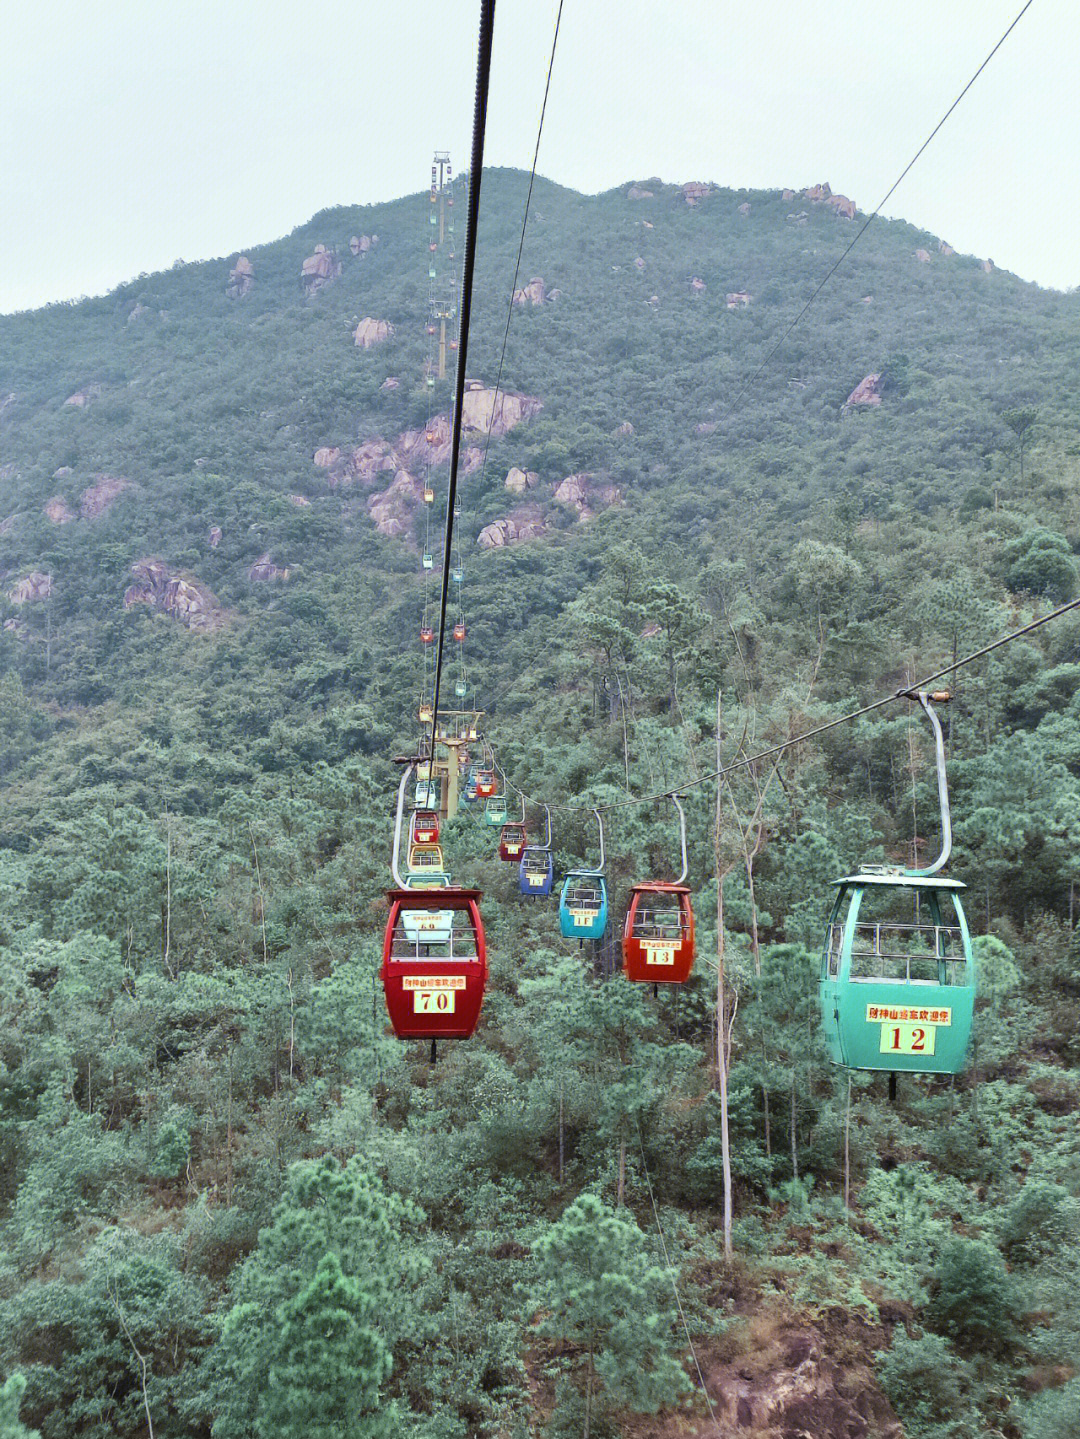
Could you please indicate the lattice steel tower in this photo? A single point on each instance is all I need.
(442, 268)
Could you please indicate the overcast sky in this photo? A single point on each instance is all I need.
(134, 132)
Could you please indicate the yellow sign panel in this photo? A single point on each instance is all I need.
(658, 951)
(583, 916)
(434, 981)
(907, 1038)
(536, 880)
(433, 1001)
(907, 1014)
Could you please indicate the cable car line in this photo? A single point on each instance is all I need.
(521, 242)
(907, 692)
(671, 1276)
(476, 167)
(871, 218)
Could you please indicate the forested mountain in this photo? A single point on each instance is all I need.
(231, 1203)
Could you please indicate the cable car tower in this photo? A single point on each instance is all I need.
(442, 267)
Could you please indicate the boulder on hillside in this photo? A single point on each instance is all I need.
(944, 249)
(319, 269)
(371, 332)
(58, 511)
(635, 192)
(326, 456)
(81, 398)
(174, 593)
(744, 208)
(390, 383)
(695, 191)
(787, 196)
(534, 293)
(639, 263)
(214, 536)
(526, 523)
(866, 392)
(697, 284)
(706, 427)
(738, 300)
(63, 472)
(923, 256)
(823, 195)
(361, 244)
(626, 428)
(300, 501)
(97, 498)
(497, 411)
(585, 493)
(241, 279)
(518, 481)
(35, 586)
(137, 313)
(264, 569)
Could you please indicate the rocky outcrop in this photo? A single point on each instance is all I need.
(988, 267)
(696, 191)
(518, 481)
(214, 536)
(799, 219)
(137, 313)
(738, 300)
(241, 279)
(392, 509)
(319, 270)
(635, 192)
(264, 569)
(639, 264)
(58, 511)
(923, 256)
(371, 332)
(300, 501)
(697, 284)
(63, 472)
(391, 383)
(361, 244)
(823, 195)
(787, 196)
(534, 293)
(789, 1384)
(866, 392)
(744, 208)
(174, 593)
(35, 586)
(626, 428)
(526, 523)
(706, 427)
(81, 398)
(653, 301)
(944, 249)
(496, 411)
(586, 493)
(326, 456)
(97, 498)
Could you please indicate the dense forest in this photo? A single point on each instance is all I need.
(231, 1203)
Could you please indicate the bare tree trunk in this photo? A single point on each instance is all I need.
(721, 998)
(794, 1134)
(142, 1363)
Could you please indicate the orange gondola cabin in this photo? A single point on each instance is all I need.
(434, 970)
(658, 936)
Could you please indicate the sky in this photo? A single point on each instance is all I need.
(136, 133)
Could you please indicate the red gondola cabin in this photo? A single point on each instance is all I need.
(459, 632)
(658, 936)
(424, 828)
(485, 783)
(512, 840)
(427, 635)
(434, 973)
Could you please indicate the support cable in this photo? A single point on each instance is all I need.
(870, 220)
(905, 692)
(476, 168)
(671, 1276)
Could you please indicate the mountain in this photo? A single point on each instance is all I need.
(691, 515)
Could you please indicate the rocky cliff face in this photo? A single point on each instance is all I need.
(866, 392)
(319, 270)
(96, 498)
(241, 279)
(525, 523)
(371, 332)
(174, 593)
(496, 410)
(534, 293)
(35, 586)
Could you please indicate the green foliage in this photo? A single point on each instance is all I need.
(597, 1290)
(11, 1393)
(973, 1299)
(925, 1382)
